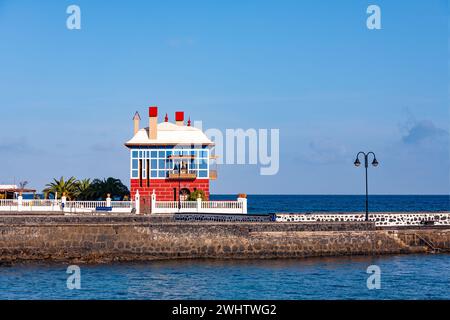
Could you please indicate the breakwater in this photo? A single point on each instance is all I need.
(140, 238)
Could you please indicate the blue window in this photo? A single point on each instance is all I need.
(134, 164)
(154, 173)
(169, 153)
(154, 154)
(203, 165)
(134, 154)
(162, 154)
(134, 173)
(162, 173)
(204, 154)
(162, 164)
(153, 163)
(202, 173)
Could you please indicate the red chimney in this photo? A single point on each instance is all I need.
(179, 118)
(153, 111)
(153, 122)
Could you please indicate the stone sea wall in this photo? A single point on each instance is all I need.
(134, 238)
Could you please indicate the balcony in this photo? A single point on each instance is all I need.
(183, 175)
(173, 157)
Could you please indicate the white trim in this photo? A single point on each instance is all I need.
(147, 173)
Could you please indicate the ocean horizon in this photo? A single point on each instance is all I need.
(342, 203)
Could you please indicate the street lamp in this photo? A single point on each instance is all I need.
(179, 187)
(357, 163)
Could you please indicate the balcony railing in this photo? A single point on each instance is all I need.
(183, 175)
(187, 156)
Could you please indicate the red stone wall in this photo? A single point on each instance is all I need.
(164, 187)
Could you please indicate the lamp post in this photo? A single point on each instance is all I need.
(357, 163)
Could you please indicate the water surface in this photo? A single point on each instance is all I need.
(402, 277)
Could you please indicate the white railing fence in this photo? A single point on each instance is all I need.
(9, 204)
(64, 206)
(73, 207)
(29, 205)
(108, 205)
(199, 206)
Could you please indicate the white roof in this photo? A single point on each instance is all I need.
(8, 186)
(170, 134)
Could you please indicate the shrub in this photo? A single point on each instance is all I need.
(196, 194)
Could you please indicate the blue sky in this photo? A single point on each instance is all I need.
(310, 68)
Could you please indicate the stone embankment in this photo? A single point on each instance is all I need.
(139, 238)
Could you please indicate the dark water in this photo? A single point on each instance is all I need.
(402, 277)
(343, 203)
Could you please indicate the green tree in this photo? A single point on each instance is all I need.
(197, 194)
(82, 189)
(100, 188)
(62, 186)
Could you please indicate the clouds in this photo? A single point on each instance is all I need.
(423, 131)
(16, 146)
(325, 151)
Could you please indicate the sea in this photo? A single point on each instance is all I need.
(422, 276)
(398, 277)
(342, 203)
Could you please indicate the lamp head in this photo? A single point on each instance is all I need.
(357, 163)
(375, 162)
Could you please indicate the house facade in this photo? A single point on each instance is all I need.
(171, 159)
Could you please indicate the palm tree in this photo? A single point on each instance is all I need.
(82, 189)
(99, 189)
(61, 187)
(22, 185)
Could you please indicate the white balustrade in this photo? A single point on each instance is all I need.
(29, 205)
(239, 206)
(45, 205)
(198, 206)
(122, 206)
(8, 205)
(82, 206)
